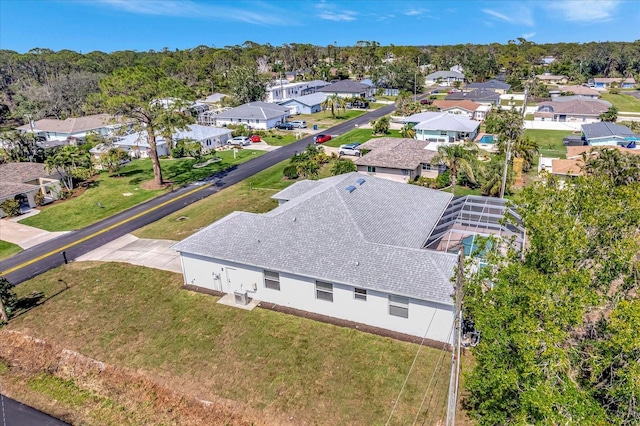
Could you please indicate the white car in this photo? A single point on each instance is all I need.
(349, 149)
(240, 140)
(299, 124)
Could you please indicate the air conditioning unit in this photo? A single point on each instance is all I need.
(241, 298)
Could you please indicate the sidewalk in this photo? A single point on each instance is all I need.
(25, 236)
(138, 251)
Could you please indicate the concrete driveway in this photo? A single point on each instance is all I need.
(138, 251)
(23, 235)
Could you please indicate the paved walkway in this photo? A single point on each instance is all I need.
(138, 251)
(23, 235)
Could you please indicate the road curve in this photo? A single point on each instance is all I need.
(36, 260)
(14, 413)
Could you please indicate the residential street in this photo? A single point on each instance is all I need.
(38, 259)
(14, 413)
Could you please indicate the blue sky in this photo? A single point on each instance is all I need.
(110, 25)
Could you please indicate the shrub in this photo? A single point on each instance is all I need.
(177, 152)
(39, 199)
(290, 172)
(614, 91)
(444, 179)
(11, 207)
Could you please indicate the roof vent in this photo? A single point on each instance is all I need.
(360, 181)
(351, 188)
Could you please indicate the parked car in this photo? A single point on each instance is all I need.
(360, 104)
(284, 126)
(322, 138)
(299, 124)
(371, 99)
(349, 149)
(426, 101)
(255, 138)
(240, 140)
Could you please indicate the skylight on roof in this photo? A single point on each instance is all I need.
(360, 181)
(351, 188)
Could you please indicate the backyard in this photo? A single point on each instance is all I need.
(549, 141)
(276, 367)
(325, 120)
(622, 101)
(107, 195)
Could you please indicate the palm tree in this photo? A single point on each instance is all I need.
(527, 149)
(458, 157)
(334, 102)
(408, 131)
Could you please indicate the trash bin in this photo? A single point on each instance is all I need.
(315, 127)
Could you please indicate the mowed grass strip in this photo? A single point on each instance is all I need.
(359, 135)
(109, 195)
(281, 365)
(623, 102)
(8, 249)
(549, 141)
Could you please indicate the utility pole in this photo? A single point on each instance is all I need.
(454, 379)
(506, 169)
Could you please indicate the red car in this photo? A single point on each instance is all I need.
(255, 138)
(322, 138)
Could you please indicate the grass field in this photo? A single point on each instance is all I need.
(282, 139)
(280, 365)
(359, 135)
(8, 249)
(622, 102)
(549, 141)
(109, 195)
(325, 120)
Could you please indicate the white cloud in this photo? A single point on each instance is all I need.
(520, 15)
(192, 9)
(585, 10)
(527, 36)
(415, 11)
(331, 12)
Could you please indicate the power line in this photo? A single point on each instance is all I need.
(411, 368)
(431, 380)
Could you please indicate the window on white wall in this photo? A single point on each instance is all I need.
(399, 306)
(360, 294)
(272, 280)
(324, 291)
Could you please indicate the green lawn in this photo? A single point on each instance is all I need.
(8, 249)
(622, 102)
(281, 139)
(549, 141)
(325, 120)
(286, 366)
(359, 135)
(109, 195)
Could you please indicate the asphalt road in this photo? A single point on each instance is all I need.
(14, 413)
(36, 260)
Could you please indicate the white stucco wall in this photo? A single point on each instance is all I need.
(299, 292)
(390, 174)
(254, 124)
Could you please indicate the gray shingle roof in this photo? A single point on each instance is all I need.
(604, 129)
(370, 237)
(448, 122)
(255, 111)
(345, 86)
(475, 95)
(14, 177)
(395, 153)
(491, 84)
(311, 99)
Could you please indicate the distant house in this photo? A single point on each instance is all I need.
(573, 165)
(256, 115)
(24, 181)
(349, 89)
(609, 134)
(307, 104)
(552, 79)
(481, 96)
(567, 109)
(464, 107)
(604, 83)
(495, 85)
(398, 159)
(349, 247)
(281, 90)
(582, 91)
(443, 127)
(75, 127)
(444, 78)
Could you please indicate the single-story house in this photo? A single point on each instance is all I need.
(608, 134)
(495, 85)
(23, 181)
(604, 83)
(137, 146)
(464, 107)
(573, 165)
(398, 159)
(443, 127)
(349, 247)
(349, 89)
(74, 127)
(307, 104)
(582, 91)
(255, 115)
(552, 79)
(281, 90)
(444, 78)
(481, 96)
(567, 108)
